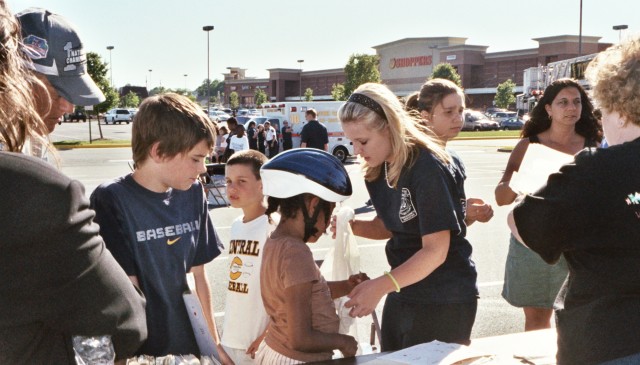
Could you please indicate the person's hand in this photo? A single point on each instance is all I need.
(365, 297)
(478, 210)
(251, 350)
(332, 225)
(224, 358)
(349, 346)
(355, 280)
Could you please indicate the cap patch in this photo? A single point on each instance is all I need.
(36, 47)
(74, 56)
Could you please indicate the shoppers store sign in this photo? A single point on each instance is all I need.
(410, 62)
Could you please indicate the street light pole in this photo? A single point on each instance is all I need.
(620, 28)
(580, 34)
(110, 48)
(185, 81)
(208, 29)
(149, 80)
(300, 81)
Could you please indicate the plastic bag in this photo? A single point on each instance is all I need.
(93, 350)
(342, 261)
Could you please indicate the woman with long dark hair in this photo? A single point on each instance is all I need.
(562, 120)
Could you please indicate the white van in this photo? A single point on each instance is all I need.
(294, 112)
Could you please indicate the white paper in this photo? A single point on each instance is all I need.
(204, 339)
(537, 164)
(433, 353)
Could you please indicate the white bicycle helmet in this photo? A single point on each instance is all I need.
(306, 170)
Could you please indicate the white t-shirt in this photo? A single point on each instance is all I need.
(223, 143)
(245, 317)
(238, 144)
(271, 134)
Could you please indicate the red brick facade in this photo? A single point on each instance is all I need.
(405, 64)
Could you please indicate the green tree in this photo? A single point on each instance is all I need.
(159, 90)
(446, 71)
(260, 97)
(131, 100)
(337, 92)
(504, 94)
(98, 72)
(308, 94)
(215, 87)
(360, 69)
(234, 101)
(186, 93)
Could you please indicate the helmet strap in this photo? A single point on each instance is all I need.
(310, 222)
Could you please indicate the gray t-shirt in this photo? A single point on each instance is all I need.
(158, 237)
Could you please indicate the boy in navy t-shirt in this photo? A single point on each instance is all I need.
(155, 220)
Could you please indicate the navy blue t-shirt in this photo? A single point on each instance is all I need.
(314, 135)
(158, 237)
(428, 198)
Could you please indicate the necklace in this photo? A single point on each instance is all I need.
(386, 175)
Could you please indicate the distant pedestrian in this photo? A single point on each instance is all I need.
(314, 134)
(271, 138)
(232, 123)
(287, 142)
(260, 137)
(239, 142)
(251, 135)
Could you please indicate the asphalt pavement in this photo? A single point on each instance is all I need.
(484, 165)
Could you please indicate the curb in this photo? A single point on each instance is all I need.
(128, 145)
(71, 147)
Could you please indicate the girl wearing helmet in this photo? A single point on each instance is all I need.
(418, 193)
(303, 185)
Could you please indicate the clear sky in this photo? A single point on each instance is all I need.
(167, 37)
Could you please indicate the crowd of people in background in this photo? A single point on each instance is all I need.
(573, 245)
(234, 137)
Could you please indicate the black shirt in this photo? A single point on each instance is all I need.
(428, 198)
(58, 280)
(286, 136)
(590, 212)
(253, 142)
(314, 135)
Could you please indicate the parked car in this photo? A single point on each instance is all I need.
(118, 116)
(242, 112)
(476, 121)
(218, 116)
(77, 116)
(492, 110)
(512, 124)
(500, 116)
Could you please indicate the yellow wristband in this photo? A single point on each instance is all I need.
(394, 281)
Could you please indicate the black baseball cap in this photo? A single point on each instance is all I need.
(55, 49)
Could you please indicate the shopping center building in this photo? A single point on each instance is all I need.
(406, 63)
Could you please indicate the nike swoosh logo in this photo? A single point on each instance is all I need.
(171, 242)
(47, 70)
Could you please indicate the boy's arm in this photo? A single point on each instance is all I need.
(203, 291)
